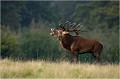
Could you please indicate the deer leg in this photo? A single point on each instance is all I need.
(97, 56)
(97, 51)
(75, 58)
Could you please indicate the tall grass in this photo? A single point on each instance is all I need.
(48, 69)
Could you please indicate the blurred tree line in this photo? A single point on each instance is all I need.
(25, 27)
(16, 14)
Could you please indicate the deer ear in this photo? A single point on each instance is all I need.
(51, 29)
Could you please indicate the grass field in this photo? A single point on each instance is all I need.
(45, 69)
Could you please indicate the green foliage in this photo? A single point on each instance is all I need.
(30, 43)
(20, 14)
(103, 14)
(10, 14)
(9, 44)
(37, 43)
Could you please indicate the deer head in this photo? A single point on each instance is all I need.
(57, 33)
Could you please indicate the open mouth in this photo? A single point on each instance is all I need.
(51, 34)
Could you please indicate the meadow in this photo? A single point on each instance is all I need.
(62, 69)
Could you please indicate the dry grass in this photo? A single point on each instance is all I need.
(43, 69)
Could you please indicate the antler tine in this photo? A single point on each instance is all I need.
(78, 27)
(72, 25)
(75, 28)
(60, 21)
(61, 24)
(67, 24)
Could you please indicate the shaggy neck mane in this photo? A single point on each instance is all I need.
(66, 41)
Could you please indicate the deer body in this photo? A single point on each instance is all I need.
(78, 45)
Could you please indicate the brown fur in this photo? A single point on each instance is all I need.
(78, 45)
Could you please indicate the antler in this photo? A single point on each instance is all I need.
(71, 27)
(76, 28)
(62, 24)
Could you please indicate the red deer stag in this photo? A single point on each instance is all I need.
(76, 44)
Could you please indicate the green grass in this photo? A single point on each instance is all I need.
(63, 69)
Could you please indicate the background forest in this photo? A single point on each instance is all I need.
(25, 28)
